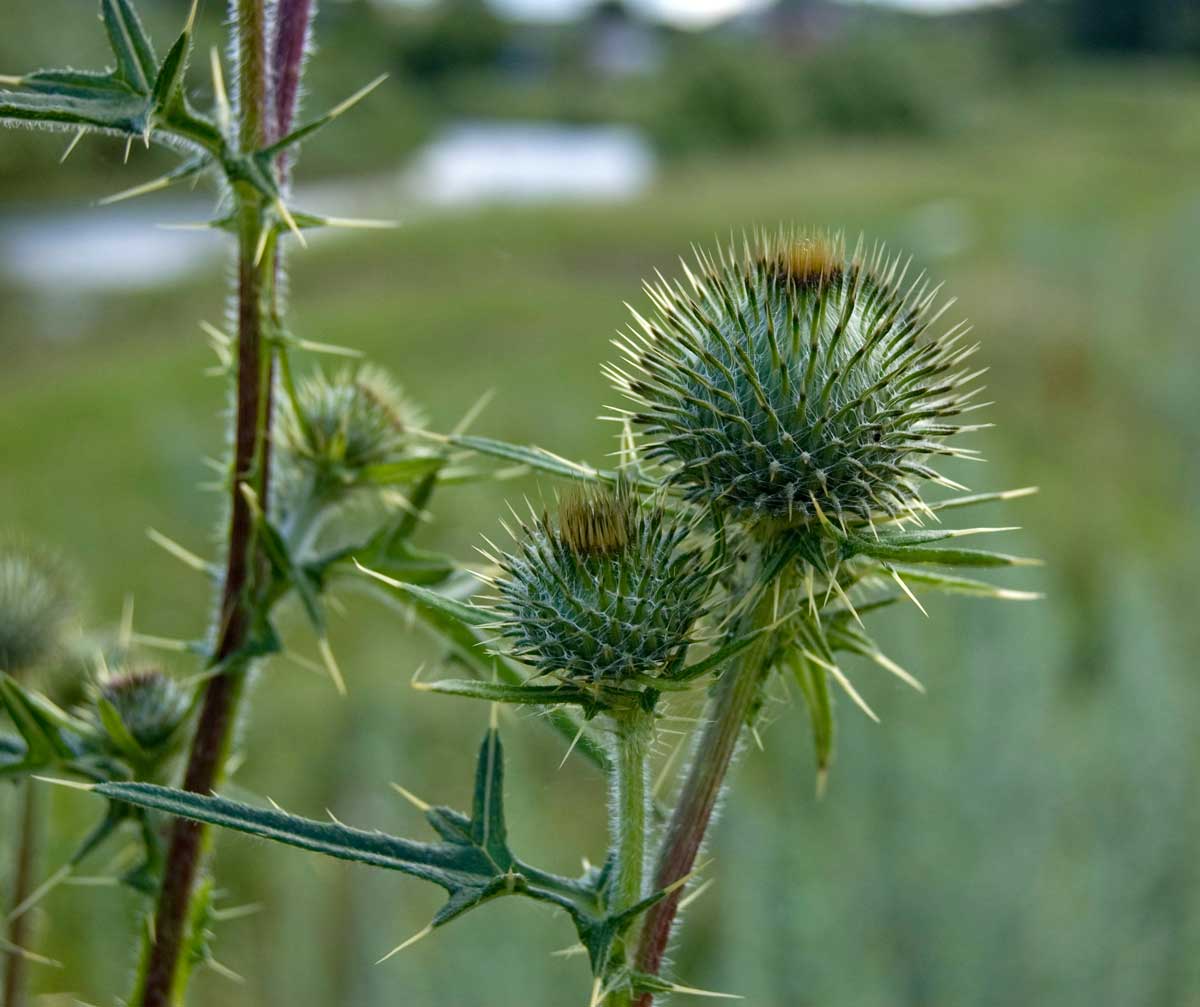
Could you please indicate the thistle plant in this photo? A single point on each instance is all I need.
(787, 401)
(300, 452)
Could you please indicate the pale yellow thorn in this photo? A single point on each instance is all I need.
(691, 897)
(844, 682)
(276, 805)
(355, 98)
(407, 944)
(186, 556)
(16, 950)
(757, 738)
(39, 893)
(286, 215)
(329, 348)
(904, 587)
(59, 781)
(691, 991)
(225, 972)
(1007, 594)
(331, 665)
(138, 190)
(237, 912)
(219, 92)
(261, 248)
(333, 818)
(125, 631)
(571, 952)
(9, 81)
(571, 747)
(597, 996)
(72, 145)
(472, 414)
(360, 223)
(846, 601)
(412, 799)
(128, 148)
(191, 21)
(197, 225)
(884, 661)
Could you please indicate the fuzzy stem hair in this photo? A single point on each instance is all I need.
(164, 976)
(729, 711)
(634, 730)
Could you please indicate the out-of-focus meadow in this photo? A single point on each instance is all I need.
(1026, 832)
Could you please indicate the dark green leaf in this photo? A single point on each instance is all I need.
(472, 862)
(112, 111)
(136, 63)
(542, 460)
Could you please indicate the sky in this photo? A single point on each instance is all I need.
(700, 12)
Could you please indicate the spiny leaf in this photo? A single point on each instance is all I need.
(136, 63)
(963, 585)
(918, 553)
(102, 109)
(813, 681)
(472, 862)
(500, 692)
(541, 460)
(303, 132)
(468, 615)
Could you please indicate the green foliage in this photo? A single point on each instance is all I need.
(472, 861)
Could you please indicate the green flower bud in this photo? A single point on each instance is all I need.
(35, 608)
(355, 419)
(150, 704)
(608, 593)
(792, 377)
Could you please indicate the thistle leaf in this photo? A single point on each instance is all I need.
(963, 585)
(472, 862)
(813, 681)
(500, 692)
(542, 460)
(137, 64)
(467, 615)
(897, 549)
(103, 109)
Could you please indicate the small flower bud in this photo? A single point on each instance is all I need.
(791, 377)
(35, 607)
(150, 704)
(606, 593)
(357, 418)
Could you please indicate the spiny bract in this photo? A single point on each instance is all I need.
(35, 605)
(150, 704)
(792, 376)
(608, 593)
(359, 417)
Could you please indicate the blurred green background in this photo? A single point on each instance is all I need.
(1026, 833)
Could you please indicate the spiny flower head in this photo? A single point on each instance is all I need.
(608, 592)
(791, 376)
(35, 607)
(149, 702)
(343, 424)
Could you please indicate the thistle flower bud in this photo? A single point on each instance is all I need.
(792, 377)
(607, 593)
(35, 606)
(340, 425)
(150, 703)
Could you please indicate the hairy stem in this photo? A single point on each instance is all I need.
(163, 979)
(23, 881)
(728, 713)
(633, 735)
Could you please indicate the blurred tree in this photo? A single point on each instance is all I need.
(457, 36)
(1134, 25)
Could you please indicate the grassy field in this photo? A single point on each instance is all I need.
(1023, 834)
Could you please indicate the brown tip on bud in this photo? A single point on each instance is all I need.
(595, 523)
(810, 263)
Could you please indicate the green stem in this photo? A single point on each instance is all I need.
(729, 711)
(23, 881)
(163, 977)
(634, 731)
